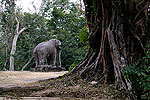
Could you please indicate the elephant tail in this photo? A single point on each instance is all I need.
(26, 64)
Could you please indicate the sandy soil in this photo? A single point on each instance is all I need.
(34, 86)
(18, 78)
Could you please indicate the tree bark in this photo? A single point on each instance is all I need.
(118, 37)
(6, 52)
(13, 49)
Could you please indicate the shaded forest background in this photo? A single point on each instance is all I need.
(55, 19)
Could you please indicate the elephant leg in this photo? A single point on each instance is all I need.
(43, 60)
(59, 57)
(40, 57)
(36, 62)
(54, 58)
(36, 59)
(48, 58)
(46, 61)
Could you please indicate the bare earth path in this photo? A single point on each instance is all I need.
(17, 85)
(22, 78)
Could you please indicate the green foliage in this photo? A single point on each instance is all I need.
(59, 19)
(7, 29)
(66, 26)
(35, 34)
(1, 59)
(72, 66)
(83, 35)
(139, 75)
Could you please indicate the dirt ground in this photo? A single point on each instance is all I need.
(45, 86)
(22, 78)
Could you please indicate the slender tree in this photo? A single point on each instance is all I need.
(7, 10)
(13, 49)
(118, 36)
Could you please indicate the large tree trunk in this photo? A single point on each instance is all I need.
(117, 38)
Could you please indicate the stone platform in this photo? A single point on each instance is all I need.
(47, 68)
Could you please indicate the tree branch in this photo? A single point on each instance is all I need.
(17, 26)
(22, 30)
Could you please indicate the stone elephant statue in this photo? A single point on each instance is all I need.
(49, 51)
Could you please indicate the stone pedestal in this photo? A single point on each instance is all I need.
(48, 68)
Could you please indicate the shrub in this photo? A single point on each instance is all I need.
(139, 75)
